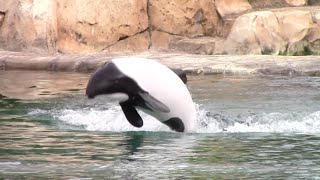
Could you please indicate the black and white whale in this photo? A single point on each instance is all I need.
(148, 86)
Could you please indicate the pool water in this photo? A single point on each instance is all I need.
(250, 127)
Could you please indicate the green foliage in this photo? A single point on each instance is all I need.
(306, 51)
(283, 53)
(267, 51)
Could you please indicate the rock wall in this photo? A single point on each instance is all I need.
(91, 26)
(193, 26)
(28, 25)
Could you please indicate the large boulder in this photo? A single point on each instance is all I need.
(255, 33)
(90, 26)
(28, 25)
(295, 25)
(231, 7)
(273, 32)
(301, 29)
(314, 33)
(185, 18)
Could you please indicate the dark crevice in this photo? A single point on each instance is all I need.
(79, 38)
(173, 34)
(87, 23)
(78, 35)
(149, 29)
(124, 37)
(141, 32)
(2, 16)
(2, 64)
(216, 10)
(199, 16)
(149, 24)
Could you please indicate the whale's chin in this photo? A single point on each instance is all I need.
(116, 97)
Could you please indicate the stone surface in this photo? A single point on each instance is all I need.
(28, 26)
(161, 40)
(193, 26)
(137, 43)
(230, 7)
(283, 31)
(225, 26)
(263, 4)
(90, 26)
(255, 33)
(297, 2)
(314, 2)
(186, 18)
(205, 45)
(171, 43)
(2, 16)
(193, 64)
(295, 24)
(314, 32)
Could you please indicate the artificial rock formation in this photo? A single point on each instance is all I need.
(185, 18)
(297, 2)
(91, 26)
(28, 25)
(230, 7)
(193, 26)
(255, 33)
(273, 32)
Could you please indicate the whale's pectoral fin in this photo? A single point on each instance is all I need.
(153, 103)
(131, 114)
(175, 124)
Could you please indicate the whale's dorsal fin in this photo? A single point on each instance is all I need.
(153, 103)
(131, 114)
(182, 75)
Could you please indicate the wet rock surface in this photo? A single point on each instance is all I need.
(192, 64)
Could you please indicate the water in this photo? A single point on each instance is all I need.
(249, 128)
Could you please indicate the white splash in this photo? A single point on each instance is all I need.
(113, 119)
(279, 123)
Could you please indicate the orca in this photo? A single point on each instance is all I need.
(144, 84)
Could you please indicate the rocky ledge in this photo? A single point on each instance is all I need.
(192, 64)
